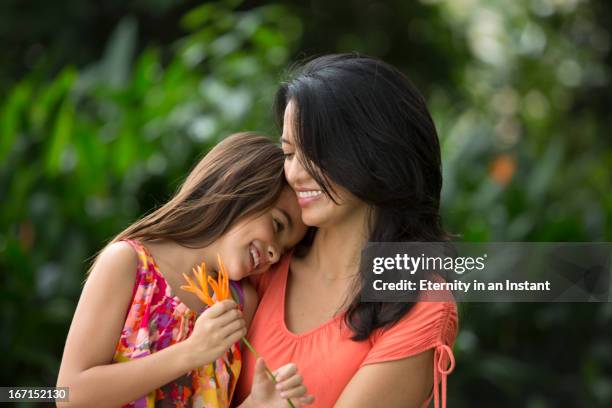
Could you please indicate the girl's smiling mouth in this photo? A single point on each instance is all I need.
(255, 256)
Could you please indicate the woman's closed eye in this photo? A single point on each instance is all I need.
(288, 155)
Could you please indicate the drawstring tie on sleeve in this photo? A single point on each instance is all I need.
(444, 363)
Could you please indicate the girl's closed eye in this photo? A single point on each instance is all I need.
(278, 226)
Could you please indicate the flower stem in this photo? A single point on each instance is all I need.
(256, 354)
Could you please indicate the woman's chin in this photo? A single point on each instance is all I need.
(312, 219)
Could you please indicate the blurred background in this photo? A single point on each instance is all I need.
(105, 106)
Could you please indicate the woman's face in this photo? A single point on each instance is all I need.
(255, 243)
(318, 209)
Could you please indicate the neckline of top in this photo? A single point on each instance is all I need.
(169, 290)
(284, 281)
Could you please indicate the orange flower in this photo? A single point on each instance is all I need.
(220, 287)
(221, 291)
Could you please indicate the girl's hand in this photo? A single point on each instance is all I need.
(264, 393)
(220, 326)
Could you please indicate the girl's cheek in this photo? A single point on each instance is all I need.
(265, 232)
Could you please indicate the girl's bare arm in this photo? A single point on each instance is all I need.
(95, 331)
(86, 367)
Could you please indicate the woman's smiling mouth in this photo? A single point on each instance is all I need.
(307, 196)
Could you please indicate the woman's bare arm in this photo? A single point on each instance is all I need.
(404, 383)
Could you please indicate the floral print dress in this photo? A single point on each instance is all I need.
(157, 319)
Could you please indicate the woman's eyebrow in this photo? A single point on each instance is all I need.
(283, 140)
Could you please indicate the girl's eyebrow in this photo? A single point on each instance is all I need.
(283, 140)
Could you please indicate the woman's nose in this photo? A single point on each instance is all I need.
(294, 171)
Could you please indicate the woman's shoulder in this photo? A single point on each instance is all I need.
(439, 318)
(426, 325)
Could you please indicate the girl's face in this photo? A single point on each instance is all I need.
(318, 209)
(255, 243)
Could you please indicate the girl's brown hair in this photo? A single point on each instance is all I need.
(241, 176)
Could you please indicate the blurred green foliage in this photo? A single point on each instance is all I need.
(86, 152)
(520, 92)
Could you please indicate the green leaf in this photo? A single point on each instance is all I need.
(10, 117)
(199, 16)
(60, 138)
(42, 105)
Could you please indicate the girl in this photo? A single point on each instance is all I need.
(172, 350)
(362, 153)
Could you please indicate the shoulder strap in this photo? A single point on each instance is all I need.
(140, 251)
(237, 292)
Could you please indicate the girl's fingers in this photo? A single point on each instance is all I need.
(295, 392)
(227, 317)
(236, 336)
(289, 383)
(231, 328)
(220, 308)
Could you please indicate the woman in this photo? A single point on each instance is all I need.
(362, 154)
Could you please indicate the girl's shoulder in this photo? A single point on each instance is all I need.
(125, 263)
(115, 267)
(145, 266)
(117, 258)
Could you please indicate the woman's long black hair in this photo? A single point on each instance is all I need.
(360, 123)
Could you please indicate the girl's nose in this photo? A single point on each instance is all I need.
(273, 254)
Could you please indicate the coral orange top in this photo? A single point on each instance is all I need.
(326, 356)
